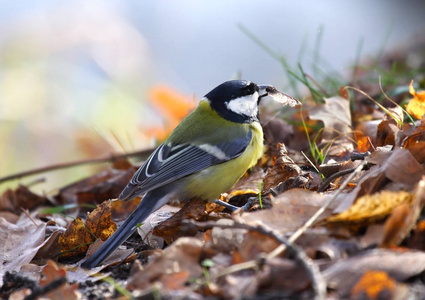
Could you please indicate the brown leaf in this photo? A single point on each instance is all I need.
(78, 236)
(284, 276)
(282, 169)
(173, 228)
(415, 142)
(156, 218)
(121, 209)
(367, 128)
(336, 116)
(344, 93)
(389, 131)
(96, 189)
(50, 248)
(66, 291)
(290, 210)
(250, 181)
(252, 245)
(402, 167)
(418, 151)
(118, 256)
(20, 243)
(75, 239)
(342, 276)
(417, 239)
(404, 217)
(21, 198)
(276, 130)
(393, 225)
(182, 256)
(398, 166)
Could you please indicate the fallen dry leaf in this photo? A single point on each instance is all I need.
(21, 198)
(283, 276)
(50, 248)
(373, 284)
(415, 141)
(416, 105)
(173, 228)
(283, 168)
(290, 210)
(182, 256)
(276, 130)
(373, 207)
(336, 116)
(96, 189)
(364, 144)
(417, 239)
(79, 235)
(118, 256)
(121, 209)
(146, 229)
(252, 245)
(389, 128)
(398, 166)
(66, 291)
(404, 218)
(342, 276)
(20, 243)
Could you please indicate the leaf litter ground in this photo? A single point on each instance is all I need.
(362, 165)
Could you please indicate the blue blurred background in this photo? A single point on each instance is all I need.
(76, 76)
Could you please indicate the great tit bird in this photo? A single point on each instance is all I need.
(205, 155)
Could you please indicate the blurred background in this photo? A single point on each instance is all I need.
(82, 80)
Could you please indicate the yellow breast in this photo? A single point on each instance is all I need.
(209, 183)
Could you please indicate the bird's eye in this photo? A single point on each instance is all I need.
(251, 88)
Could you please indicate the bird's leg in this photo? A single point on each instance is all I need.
(233, 208)
(226, 205)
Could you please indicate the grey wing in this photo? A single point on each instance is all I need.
(170, 162)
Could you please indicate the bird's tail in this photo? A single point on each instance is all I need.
(147, 205)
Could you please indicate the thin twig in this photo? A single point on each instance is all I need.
(110, 158)
(331, 178)
(313, 219)
(318, 283)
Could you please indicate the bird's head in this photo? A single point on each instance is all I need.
(238, 100)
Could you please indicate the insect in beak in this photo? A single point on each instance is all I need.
(275, 94)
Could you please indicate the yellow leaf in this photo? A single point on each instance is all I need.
(416, 106)
(372, 207)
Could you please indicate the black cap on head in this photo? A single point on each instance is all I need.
(220, 97)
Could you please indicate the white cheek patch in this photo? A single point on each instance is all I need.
(247, 105)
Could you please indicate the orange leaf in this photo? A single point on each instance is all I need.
(174, 105)
(65, 291)
(372, 284)
(364, 144)
(416, 106)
